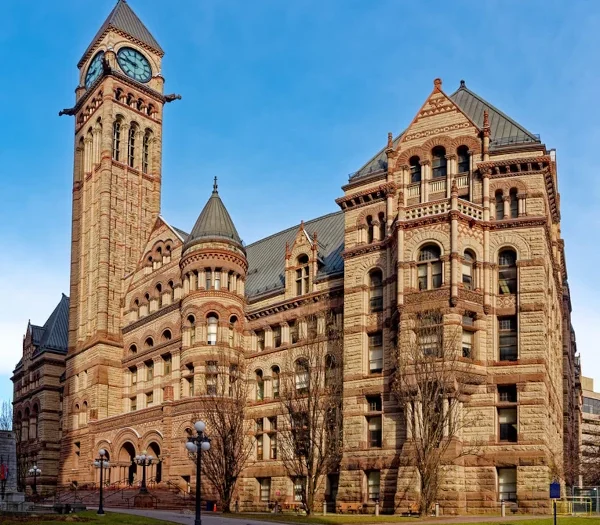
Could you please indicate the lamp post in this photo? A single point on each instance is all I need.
(35, 472)
(101, 463)
(144, 460)
(195, 445)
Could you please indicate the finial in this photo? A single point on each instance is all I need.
(215, 186)
(437, 83)
(302, 224)
(390, 143)
(462, 83)
(486, 124)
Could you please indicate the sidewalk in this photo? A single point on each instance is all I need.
(187, 518)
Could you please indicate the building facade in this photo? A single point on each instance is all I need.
(458, 213)
(590, 434)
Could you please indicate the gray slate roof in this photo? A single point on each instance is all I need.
(124, 19)
(54, 335)
(214, 221)
(504, 130)
(266, 257)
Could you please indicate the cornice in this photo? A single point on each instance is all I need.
(364, 248)
(357, 200)
(154, 315)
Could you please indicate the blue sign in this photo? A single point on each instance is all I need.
(555, 490)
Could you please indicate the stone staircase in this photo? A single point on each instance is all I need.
(161, 496)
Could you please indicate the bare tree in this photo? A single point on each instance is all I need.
(310, 438)
(6, 415)
(432, 381)
(223, 408)
(590, 463)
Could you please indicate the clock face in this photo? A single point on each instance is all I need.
(94, 70)
(134, 64)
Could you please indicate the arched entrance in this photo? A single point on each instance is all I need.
(127, 467)
(155, 471)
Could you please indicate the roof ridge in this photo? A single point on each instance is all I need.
(294, 227)
(494, 108)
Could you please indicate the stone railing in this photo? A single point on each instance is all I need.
(414, 190)
(470, 209)
(425, 209)
(462, 181)
(437, 186)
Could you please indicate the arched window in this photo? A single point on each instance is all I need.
(232, 326)
(213, 324)
(302, 274)
(275, 380)
(370, 227)
(375, 291)
(429, 269)
(131, 146)
(415, 169)
(439, 162)
(514, 204)
(507, 272)
(75, 418)
(166, 335)
(117, 140)
(499, 206)
(462, 154)
(467, 270)
(149, 342)
(381, 218)
(133, 349)
(192, 320)
(260, 385)
(172, 291)
(301, 376)
(33, 433)
(84, 414)
(159, 294)
(330, 366)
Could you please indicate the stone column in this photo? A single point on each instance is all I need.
(425, 176)
(450, 171)
(506, 199)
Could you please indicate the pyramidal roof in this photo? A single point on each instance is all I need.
(122, 18)
(504, 130)
(214, 221)
(54, 335)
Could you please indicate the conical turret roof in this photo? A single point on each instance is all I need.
(214, 221)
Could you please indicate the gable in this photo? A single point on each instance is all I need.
(439, 115)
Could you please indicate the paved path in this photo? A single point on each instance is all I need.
(187, 518)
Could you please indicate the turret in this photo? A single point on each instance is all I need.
(213, 272)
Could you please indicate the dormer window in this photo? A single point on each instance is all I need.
(302, 274)
(439, 162)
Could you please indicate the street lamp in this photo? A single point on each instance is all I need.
(101, 463)
(144, 460)
(35, 472)
(195, 445)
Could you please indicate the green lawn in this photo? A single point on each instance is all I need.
(339, 520)
(89, 517)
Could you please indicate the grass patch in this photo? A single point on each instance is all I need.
(339, 520)
(88, 518)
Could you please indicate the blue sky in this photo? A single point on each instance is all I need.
(282, 100)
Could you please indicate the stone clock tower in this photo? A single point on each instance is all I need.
(116, 202)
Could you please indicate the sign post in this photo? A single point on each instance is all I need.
(554, 495)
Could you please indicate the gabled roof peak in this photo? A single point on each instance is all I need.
(123, 19)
